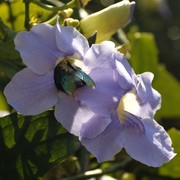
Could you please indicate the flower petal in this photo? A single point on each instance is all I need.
(94, 126)
(31, 94)
(37, 48)
(151, 146)
(100, 55)
(70, 41)
(77, 118)
(108, 143)
(149, 98)
(105, 97)
(125, 74)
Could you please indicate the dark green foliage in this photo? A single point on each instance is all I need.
(30, 146)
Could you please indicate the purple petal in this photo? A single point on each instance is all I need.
(70, 41)
(77, 118)
(100, 55)
(149, 98)
(38, 49)
(31, 94)
(151, 146)
(125, 74)
(108, 143)
(131, 122)
(105, 97)
(94, 126)
(144, 140)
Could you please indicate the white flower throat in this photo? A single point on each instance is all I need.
(129, 103)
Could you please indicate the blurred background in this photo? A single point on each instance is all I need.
(152, 37)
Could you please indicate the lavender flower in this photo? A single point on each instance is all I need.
(132, 125)
(35, 89)
(117, 113)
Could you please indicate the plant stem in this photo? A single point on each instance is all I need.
(71, 4)
(99, 172)
(11, 16)
(26, 22)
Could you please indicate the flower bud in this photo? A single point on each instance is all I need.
(65, 13)
(71, 22)
(107, 21)
(68, 12)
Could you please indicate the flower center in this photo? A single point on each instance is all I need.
(128, 103)
(68, 77)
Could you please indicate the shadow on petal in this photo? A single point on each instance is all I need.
(151, 146)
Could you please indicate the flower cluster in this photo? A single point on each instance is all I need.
(95, 93)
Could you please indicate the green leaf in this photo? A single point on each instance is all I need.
(144, 57)
(7, 48)
(3, 104)
(172, 168)
(144, 53)
(29, 146)
(10, 67)
(13, 14)
(169, 88)
(9, 58)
